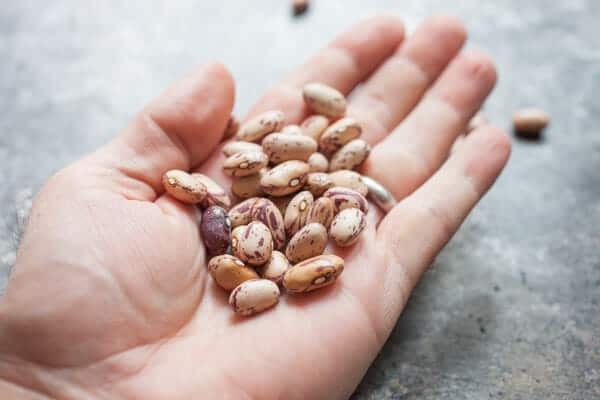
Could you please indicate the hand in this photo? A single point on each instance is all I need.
(109, 297)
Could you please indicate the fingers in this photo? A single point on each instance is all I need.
(413, 233)
(398, 84)
(421, 143)
(343, 64)
(177, 130)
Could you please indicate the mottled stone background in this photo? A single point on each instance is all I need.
(511, 308)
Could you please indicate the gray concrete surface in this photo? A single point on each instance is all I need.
(509, 310)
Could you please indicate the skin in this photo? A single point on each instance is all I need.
(110, 296)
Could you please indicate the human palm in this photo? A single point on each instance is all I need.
(109, 297)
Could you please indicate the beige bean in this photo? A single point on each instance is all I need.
(338, 134)
(246, 163)
(347, 226)
(216, 195)
(241, 214)
(313, 273)
(350, 156)
(314, 126)
(275, 268)
(254, 296)
(297, 211)
(184, 187)
(318, 182)
(291, 130)
(308, 242)
(322, 211)
(325, 100)
(285, 178)
(237, 146)
(479, 119)
(317, 162)
(266, 212)
(229, 271)
(261, 125)
(349, 179)
(231, 129)
(253, 244)
(280, 147)
(248, 186)
(343, 198)
(530, 122)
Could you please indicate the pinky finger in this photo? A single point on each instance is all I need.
(414, 232)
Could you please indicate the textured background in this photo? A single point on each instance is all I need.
(509, 310)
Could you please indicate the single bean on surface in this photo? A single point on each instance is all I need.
(254, 296)
(285, 178)
(346, 198)
(215, 229)
(261, 125)
(297, 211)
(246, 163)
(229, 271)
(349, 179)
(254, 244)
(530, 122)
(309, 241)
(275, 268)
(350, 156)
(325, 100)
(322, 211)
(313, 273)
(184, 187)
(347, 226)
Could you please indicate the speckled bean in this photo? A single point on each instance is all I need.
(248, 186)
(347, 226)
(317, 183)
(280, 147)
(241, 214)
(238, 146)
(236, 238)
(325, 100)
(184, 187)
(254, 244)
(229, 271)
(338, 134)
(297, 211)
(285, 178)
(308, 242)
(216, 195)
(254, 296)
(322, 211)
(275, 268)
(261, 125)
(246, 163)
(314, 126)
(313, 273)
(317, 162)
(343, 198)
(266, 212)
(350, 156)
(349, 179)
(215, 229)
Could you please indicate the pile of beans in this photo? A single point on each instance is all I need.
(296, 189)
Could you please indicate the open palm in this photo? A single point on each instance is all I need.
(109, 297)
